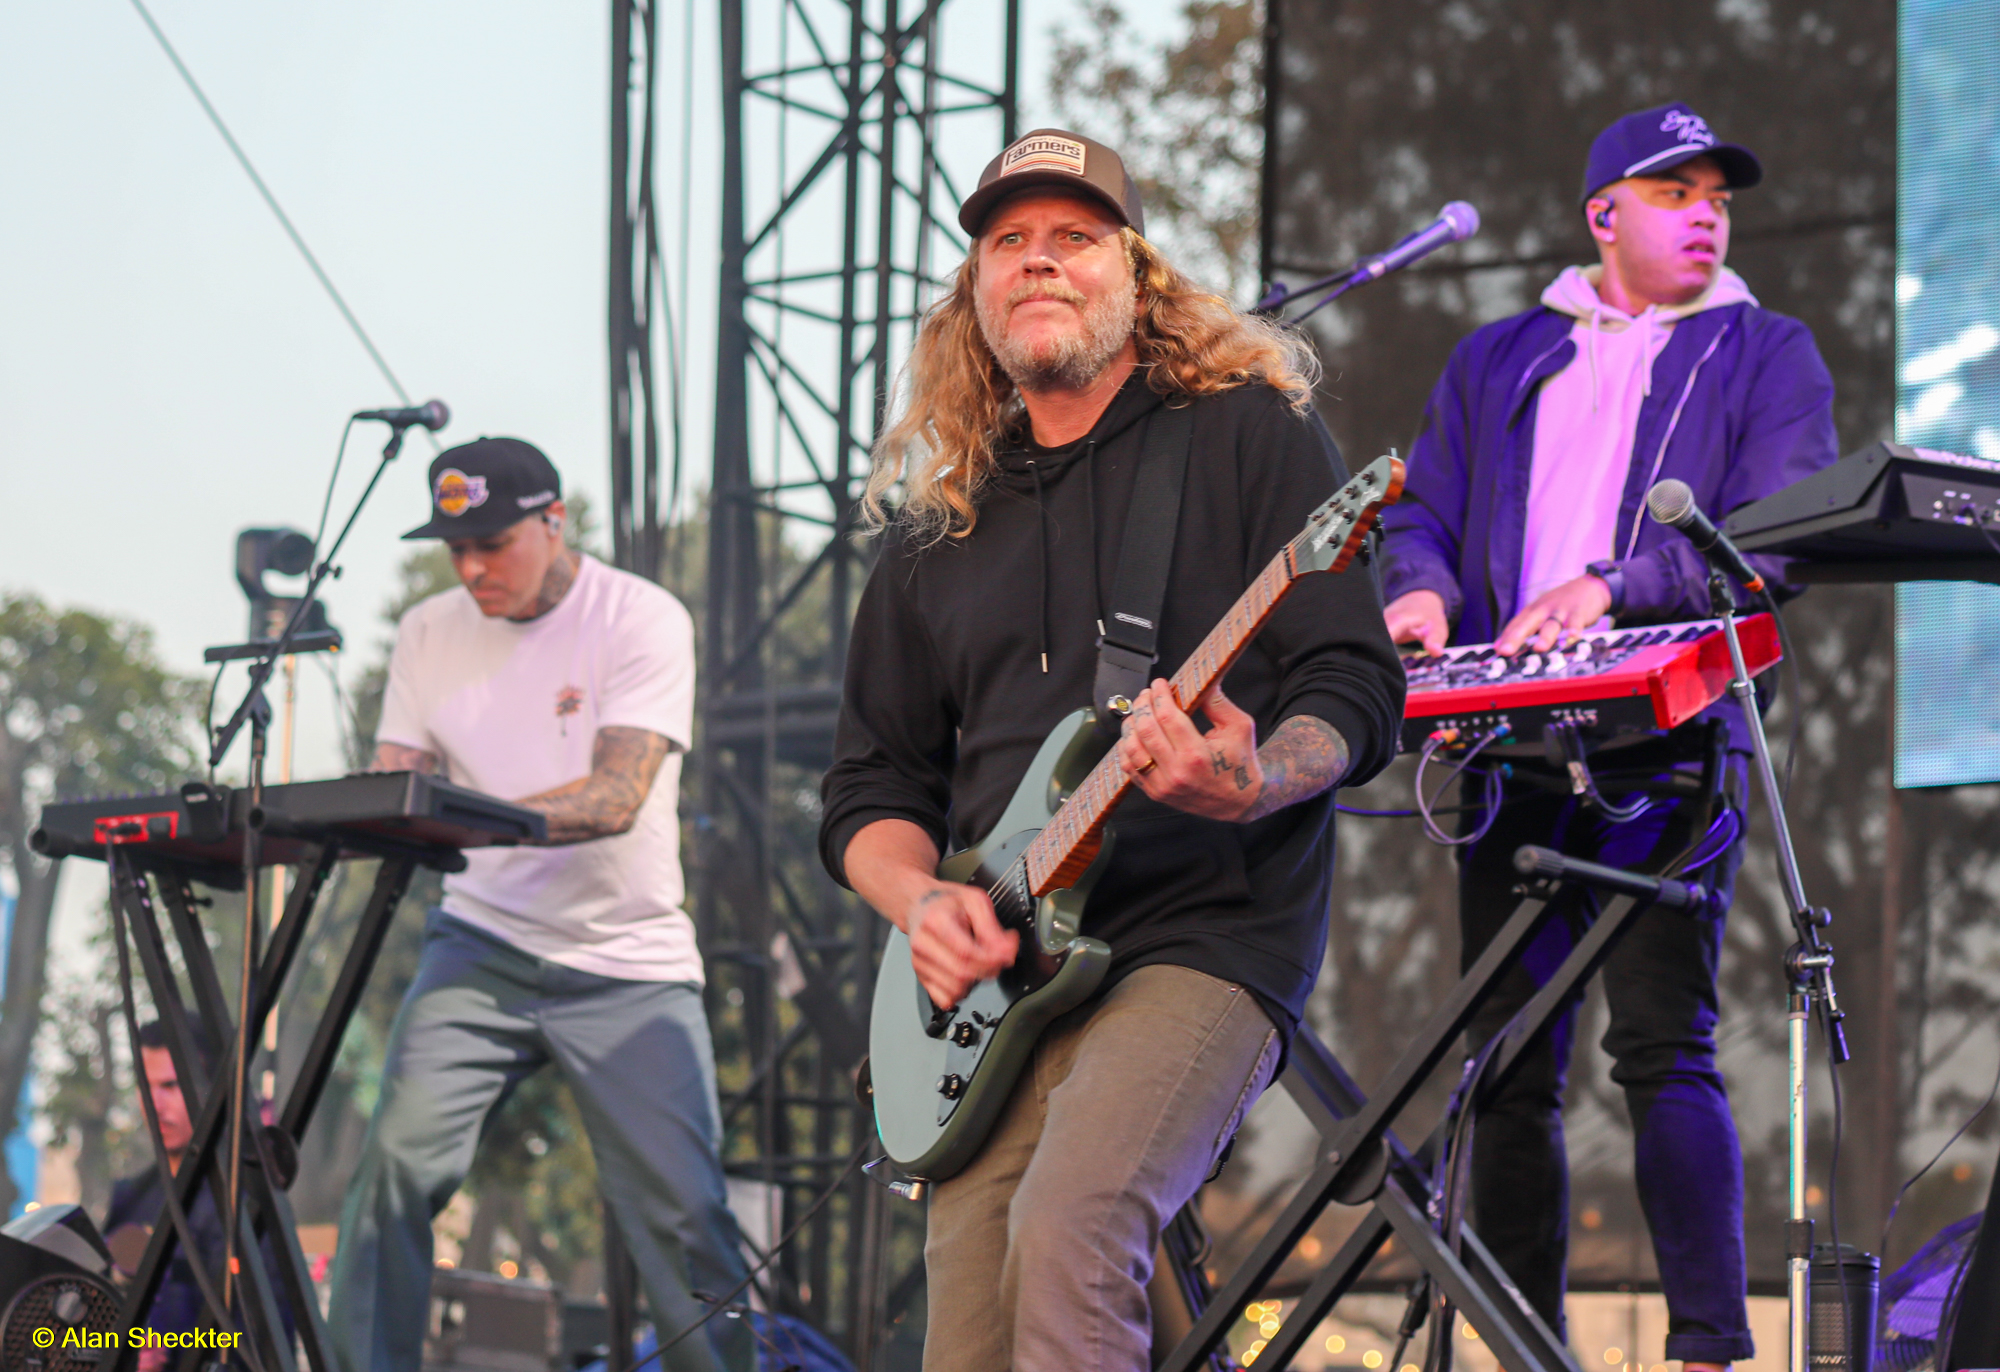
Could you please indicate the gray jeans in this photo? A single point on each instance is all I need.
(480, 1016)
(1040, 1251)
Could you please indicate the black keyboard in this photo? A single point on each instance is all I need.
(200, 827)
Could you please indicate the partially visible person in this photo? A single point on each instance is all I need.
(138, 1206)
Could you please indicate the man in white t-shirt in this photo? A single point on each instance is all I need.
(553, 680)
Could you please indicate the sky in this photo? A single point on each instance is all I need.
(170, 370)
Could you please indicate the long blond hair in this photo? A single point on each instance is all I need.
(958, 402)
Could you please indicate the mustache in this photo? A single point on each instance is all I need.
(1049, 290)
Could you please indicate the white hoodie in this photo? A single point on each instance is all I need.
(1585, 421)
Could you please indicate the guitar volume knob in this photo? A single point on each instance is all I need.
(951, 1086)
(964, 1034)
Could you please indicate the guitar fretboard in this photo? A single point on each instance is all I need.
(1065, 847)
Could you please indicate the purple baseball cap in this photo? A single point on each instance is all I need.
(1652, 141)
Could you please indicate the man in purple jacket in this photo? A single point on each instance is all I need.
(1524, 524)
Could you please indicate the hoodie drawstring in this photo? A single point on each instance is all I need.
(1090, 497)
(1042, 561)
(1596, 316)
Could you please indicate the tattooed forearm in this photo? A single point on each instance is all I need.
(1303, 758)
(623, 763)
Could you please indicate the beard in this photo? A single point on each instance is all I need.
(1074, 359)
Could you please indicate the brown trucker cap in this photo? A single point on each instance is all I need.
(1067, 161)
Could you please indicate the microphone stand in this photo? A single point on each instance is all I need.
(1809, 977)
(255, 710)
(1277, 295)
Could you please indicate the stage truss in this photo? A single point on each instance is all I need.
(850, 131)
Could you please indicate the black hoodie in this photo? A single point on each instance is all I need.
(946, 698)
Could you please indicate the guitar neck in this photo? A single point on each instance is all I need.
(1071, 839)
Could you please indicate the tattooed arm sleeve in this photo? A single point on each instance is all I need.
(1303, 758)
(623, 763)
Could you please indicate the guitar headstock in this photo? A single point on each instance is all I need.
(1335, 532)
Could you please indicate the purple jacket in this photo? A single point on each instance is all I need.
(1741, 406)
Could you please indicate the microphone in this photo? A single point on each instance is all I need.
(432, 414)
(1672, 502)
(1455, 221)
(1531, 861)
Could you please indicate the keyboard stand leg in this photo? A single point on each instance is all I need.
(392, 880)
(1354, 1127)
(267, 1211)
(178, 897)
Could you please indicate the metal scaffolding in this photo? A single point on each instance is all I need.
(850, 131)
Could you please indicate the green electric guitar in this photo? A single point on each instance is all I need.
(939, 1076)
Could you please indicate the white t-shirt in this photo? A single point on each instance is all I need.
(513, 709)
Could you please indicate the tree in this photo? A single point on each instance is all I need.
(85, 707)
(1185, 116)
(87, 1095)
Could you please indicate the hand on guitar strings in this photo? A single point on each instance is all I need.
(1215, 775)
(956, 941)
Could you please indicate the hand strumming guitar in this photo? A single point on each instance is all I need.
(955, 939)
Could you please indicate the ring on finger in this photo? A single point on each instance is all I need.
(1151, 763)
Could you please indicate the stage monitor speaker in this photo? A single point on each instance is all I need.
(1840, 1337)
(53, 1270)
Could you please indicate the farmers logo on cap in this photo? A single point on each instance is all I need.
(1689, 128)
(1043, 154)
(457, 492)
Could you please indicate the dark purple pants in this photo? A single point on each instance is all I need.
(1659, 986)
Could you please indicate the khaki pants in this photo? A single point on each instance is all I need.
(1039, 1253)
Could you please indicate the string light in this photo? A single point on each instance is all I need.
(1372, 1358)
(1335, 1344)
(1614, 1355)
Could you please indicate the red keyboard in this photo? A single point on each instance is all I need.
(1622, 681)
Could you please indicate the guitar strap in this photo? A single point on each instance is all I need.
(1129, 647)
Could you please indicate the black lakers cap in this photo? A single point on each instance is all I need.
(1064, 160)
(489, 484)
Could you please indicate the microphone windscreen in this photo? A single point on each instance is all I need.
(436, 415)
(1670, 501)
(1463, 218)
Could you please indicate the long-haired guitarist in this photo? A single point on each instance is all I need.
(1029, 399)
(1523, 524)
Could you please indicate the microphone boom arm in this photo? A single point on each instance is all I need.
(267, 663)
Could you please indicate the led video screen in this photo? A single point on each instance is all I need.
(1948, 370)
